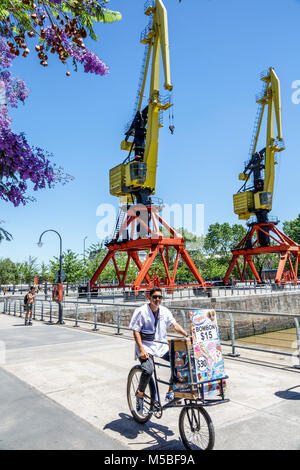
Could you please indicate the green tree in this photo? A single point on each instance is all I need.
(7, 271)
(222, 238)
(292, 229)
(44, 271)
(71, 265)
(4, 234)
(57, 26)
(28, 270)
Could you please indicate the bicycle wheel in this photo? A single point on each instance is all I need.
(196, 428)
(149, 395)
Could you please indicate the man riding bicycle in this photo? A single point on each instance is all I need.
(149, 324)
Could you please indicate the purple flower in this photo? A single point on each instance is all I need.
(90, 61)
(19, 162)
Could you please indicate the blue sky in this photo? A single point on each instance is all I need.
(218, 49)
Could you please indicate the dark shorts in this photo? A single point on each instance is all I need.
(28, 307)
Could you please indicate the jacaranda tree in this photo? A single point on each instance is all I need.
(58, 27)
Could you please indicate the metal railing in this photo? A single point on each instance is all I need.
(120, 316)
(116, 294)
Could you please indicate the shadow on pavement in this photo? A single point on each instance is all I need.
(289, 394)
(158, 434)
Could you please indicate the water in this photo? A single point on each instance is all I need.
(281, 340)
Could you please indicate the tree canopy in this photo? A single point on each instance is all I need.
(58, 27)
(292, 229)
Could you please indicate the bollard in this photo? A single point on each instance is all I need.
(76, 316)
(95, 319)
(233, 353)
(297, 366)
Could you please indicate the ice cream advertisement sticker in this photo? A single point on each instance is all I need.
(207, 348)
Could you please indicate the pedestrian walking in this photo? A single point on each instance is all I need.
(29, 300)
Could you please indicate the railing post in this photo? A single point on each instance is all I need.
(119, 322)
(76, 316)
(297, 366)
(15, 308)
(42, 311)
(233, 353)
(89, 292)
(95, 319)
(50, 319)
(183, 319)
(20, 308)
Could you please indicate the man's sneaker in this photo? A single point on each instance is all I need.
(170, 396)
(140, 406)
(30, 323)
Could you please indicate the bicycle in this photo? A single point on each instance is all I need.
(195, 425)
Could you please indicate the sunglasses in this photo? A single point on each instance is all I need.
(156, 297)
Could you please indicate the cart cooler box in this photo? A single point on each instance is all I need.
(198, 367)
(182, 369)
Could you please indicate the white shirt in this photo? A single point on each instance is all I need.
(143, 320)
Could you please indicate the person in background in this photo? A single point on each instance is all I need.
(28, 305)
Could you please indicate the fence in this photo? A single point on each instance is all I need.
(117, 317)
(118, 294)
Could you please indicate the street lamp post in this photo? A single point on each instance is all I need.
(60, 307)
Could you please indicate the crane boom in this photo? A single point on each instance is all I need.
(135, 178)
(257, 200)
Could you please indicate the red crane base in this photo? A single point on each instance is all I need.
(282, 245)
(140, 231)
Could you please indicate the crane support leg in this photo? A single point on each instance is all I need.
(153, 243)
(281, 245)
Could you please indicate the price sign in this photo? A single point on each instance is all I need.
(201, 364)
(207, 347)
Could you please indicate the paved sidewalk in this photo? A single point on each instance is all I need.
(65, 388)
(29, 420)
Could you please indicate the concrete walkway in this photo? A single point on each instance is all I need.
(65, 388)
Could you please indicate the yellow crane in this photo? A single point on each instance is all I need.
(135, 178)
(257, 199)
(139, 225)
